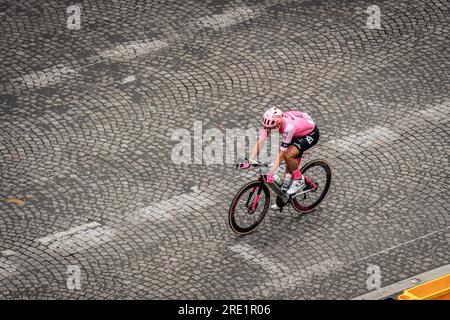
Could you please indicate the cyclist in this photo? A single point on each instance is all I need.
(299, 133)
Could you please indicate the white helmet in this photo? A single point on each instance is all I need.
(271, 118)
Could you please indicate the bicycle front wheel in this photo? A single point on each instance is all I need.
(249, 207)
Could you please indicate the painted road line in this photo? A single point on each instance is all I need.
(93, 234)
(401, 244)
(281, 276)
(226, 19)
(49, 239)
(172, 208)
(78, 238)
(133, 49)
(253, 255)
(365, 139)
(438, 112)
(405, 284)
(45, 78)
(275, 269)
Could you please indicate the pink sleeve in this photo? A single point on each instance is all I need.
(288, 133)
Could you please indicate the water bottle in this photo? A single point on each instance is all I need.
(277, 180)
(287, 182)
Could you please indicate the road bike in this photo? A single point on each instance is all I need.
(250, 205)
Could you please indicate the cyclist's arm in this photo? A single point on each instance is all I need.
(287, 139)
(278, 161)
(259, 144)
(257, 148)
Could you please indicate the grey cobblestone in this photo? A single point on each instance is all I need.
(87, 115)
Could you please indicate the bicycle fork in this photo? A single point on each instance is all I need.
(255, 201)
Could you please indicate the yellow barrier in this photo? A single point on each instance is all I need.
(437, 289)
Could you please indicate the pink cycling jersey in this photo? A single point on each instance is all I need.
(294, 124)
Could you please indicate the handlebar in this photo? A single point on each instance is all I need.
(255, 163)
(265, 164)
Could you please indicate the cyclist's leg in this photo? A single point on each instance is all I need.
(301, 144)
(298, 158)
(306, 143)
(291, 155)
(296, 149)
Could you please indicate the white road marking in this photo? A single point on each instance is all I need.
(294, 278)
(172, 208)
(282, 277)
(228, 18)
(133, 49)
(435, 113)
(58, 235)
(92, 234)
(401, 244)
(365, 139)
(78, 238)
(45, 78)
(255, 256)
(95, 231)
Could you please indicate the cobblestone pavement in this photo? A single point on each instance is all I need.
(88, 186)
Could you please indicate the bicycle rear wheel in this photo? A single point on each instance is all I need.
(320, 173)
(249, 207)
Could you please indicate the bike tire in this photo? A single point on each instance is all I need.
(322, 163)
(231, 213)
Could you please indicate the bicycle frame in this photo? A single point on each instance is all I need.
(273, 186)
(276, 189)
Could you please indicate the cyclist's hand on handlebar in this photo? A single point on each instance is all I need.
(245, 164)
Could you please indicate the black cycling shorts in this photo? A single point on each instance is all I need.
(306, 142)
